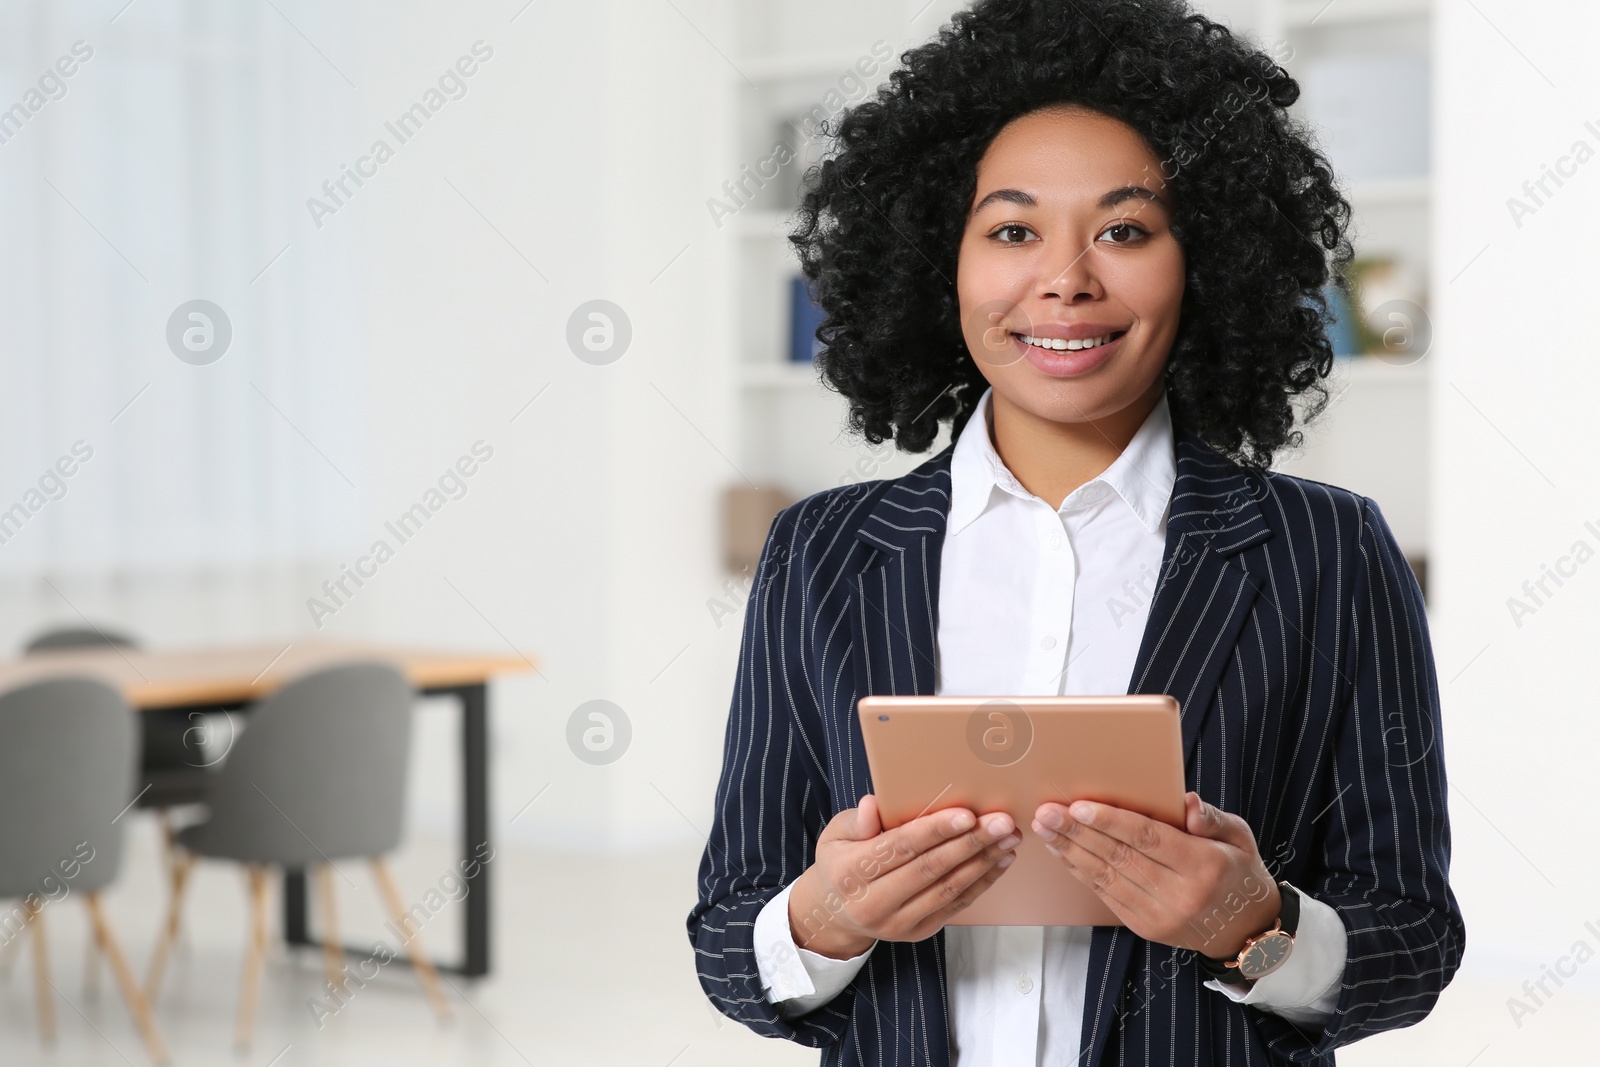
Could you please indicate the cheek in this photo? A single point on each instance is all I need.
(1153, 288)
(986, 273)
(988, 290)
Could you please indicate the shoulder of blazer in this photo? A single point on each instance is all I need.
(1300, 507)
(1218, 495)
(876, 512)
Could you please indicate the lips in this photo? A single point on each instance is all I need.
(1072, 344)
(1068, 363)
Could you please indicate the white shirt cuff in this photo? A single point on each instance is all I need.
(1306, 988)
(796, 979)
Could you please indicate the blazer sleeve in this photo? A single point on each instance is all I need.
(770, 800)
(1382, 849)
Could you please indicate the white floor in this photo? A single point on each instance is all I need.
(592, 966)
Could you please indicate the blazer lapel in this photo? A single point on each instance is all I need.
(895, 599)
(1202, 599)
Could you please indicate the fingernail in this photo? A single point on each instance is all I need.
(1082, 812)
(1010, 843)
(997, 824)
(1051, 817)
(962, 822)
(1007, 860)
(1045, 832)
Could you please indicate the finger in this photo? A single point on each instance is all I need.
(936, 904)
(1162, 844)
(1207, 820)
(860, 823)
(1123, 896)
(1118, 855)
(925, 834)
(869, 821)
(918, 874)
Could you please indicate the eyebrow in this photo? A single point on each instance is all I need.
(1111, 199)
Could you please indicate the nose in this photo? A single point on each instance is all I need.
(1070, 276)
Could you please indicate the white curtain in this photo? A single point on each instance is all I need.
(174, 164)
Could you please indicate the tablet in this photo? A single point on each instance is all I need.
(1012, 754)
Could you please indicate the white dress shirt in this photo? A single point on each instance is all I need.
(1035, 600)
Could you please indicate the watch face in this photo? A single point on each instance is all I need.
(1266, 955)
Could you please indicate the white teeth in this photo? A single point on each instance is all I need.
(1067, 346)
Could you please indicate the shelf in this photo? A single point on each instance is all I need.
(1395, 192)
(779, 376)
(1314, 14)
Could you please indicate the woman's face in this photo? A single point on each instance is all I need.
(1069, 239)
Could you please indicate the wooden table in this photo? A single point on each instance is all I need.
(236, 676)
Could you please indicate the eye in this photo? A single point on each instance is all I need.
(1007, 228)
(1130, 233)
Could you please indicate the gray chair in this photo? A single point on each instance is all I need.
(66, 778)
(318, 776)
(75, 637)
(172, 769)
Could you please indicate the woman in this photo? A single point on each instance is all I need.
(1088, 235)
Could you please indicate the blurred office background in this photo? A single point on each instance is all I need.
(376, 317)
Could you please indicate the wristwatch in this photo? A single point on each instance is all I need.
(1263, 953)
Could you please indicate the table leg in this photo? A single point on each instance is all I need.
(475, 813)
(296, 930)
(474, 844)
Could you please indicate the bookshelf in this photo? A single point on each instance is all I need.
(791, 427)
(1374, 436)
(795, 56)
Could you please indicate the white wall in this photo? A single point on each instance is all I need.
(1514, 436)
(589, 142)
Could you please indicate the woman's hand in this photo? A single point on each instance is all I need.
(868, 884)
(1205, 890)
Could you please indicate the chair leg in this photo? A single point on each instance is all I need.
(10, 950)
(419, 959)
(91, 962)
(182, 863)
(44, 991)
(255, 957)
(169, 837)
(332, 948)
(138, 1007)
(175, 856)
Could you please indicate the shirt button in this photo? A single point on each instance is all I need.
(1048, 642)
(1024, 985)
(1055, 540)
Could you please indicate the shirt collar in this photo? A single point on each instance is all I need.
(1143, 475)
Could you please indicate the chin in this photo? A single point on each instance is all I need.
(1066, 401)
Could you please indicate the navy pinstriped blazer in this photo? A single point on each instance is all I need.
(1291, 631)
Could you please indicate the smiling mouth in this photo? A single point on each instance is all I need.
(1054, 344)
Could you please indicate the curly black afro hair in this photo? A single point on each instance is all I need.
(1259, 217)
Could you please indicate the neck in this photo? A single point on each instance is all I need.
(1050, 458)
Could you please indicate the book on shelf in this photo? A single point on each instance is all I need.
(1344, 332)
(804, 318)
